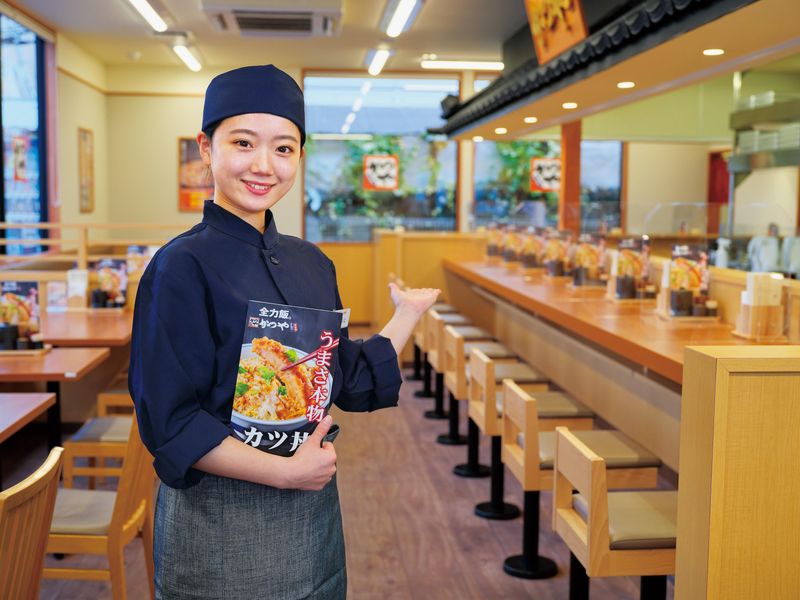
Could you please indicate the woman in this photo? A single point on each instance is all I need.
(232, 520)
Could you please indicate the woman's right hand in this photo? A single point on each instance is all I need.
(314, 463)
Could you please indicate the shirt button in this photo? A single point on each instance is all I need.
(274, 260)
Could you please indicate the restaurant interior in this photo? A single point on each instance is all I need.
(606, 394)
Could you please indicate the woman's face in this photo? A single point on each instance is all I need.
(253, 159)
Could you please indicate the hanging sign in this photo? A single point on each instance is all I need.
(545, 174)
(556, 25)
(381, 172)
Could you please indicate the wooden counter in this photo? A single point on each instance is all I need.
(619, 358)
(631, 330)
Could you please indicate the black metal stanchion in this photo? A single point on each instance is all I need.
(654, 587)
(496, 508)
(426, 391)
(416, 374)
(578, 580)
(472, 468)
(453, 437)
(438, 411)
(529, 565)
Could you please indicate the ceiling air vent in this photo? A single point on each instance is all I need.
(284, 18)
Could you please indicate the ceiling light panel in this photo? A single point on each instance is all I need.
(462, 65)
(149, 14)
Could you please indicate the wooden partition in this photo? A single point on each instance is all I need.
(738, 508)
(354, 269)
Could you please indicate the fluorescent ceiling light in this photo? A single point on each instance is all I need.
(350, 118)
(187, 57)
(366, 87)
(713, 52)
(626, 85)
(477, 138)
(400, 18)
(379, 59)
(462, 65)
(531, 120)
(569, 105)
(357, 104)
(149, 14)
(345, 128)
(501, 130)
(431, 87)
(341, 136)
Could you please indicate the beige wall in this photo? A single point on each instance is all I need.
(665, 174)
(80, 105)
(767, 196)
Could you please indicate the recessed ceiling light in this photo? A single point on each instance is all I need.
(531, 120)
(626, 85)
(713, 52)
(462, 65)
(501, 130)
(477, 138)
(569, 105)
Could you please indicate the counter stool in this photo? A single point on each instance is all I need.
(434, 341)
(612, 534)
(419, 341)
(528, 423)
(485, 376)
(101, 437)
(456, 354)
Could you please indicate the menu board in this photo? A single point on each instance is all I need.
(284, 382)
(19, 305)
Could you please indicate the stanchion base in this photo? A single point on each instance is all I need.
(476, 472)
(412, 377)
(505, 512)
(519, 566)
(448, 440)
(436, 414)
(422, 394)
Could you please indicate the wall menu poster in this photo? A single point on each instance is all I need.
(85, 170)
(19, 305)
(112, 277)
(545, 174)
(556, 26)
(381, 172)
(195, 183)
(284, 381)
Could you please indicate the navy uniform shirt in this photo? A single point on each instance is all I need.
(188, 327)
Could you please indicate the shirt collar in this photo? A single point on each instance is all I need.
(227, 222)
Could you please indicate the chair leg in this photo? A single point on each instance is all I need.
(472, 468)
(453, 437)
(654, 587)
(116, 568)
(416, 374)
(529, 565)
(426, 391)
(147, 542)
(578, 580)
(438, 411)
(497, 508)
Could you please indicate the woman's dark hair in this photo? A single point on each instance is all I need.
(209, 131)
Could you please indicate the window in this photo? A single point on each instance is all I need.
(369, 161)
(24, 191)
(503, 189)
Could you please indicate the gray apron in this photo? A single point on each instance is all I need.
(225, 538)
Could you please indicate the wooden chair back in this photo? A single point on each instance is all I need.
(434, 326)
(114, 403)
(482, 387)
(453, 362)
(577, 467)
(26, 511)
(135, 490)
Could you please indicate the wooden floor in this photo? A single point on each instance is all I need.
(409, 523)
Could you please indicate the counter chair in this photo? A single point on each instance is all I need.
(434, 341)
(99, 438)
(528, 442)
(456, 355)
(610, 534)
(26, 510)
(485, 379)
(104, 522)
(419, 343)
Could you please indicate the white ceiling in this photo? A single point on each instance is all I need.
(113, 32)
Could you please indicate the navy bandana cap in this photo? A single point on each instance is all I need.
(257, 89)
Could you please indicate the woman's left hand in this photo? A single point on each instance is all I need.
(416, 300)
